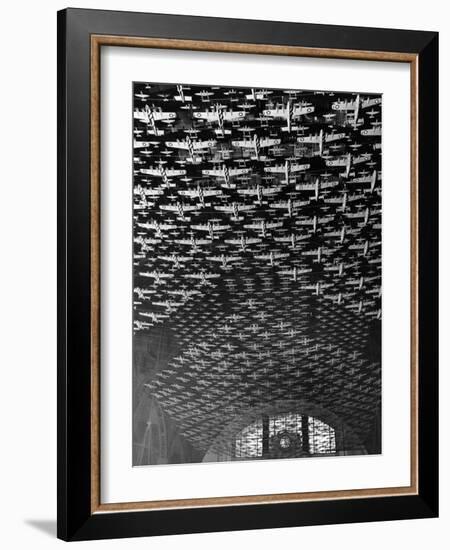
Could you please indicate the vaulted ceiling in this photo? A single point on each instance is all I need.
(257, 256)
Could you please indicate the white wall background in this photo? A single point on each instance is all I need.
(28, 274)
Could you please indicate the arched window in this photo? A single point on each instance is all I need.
(283, 436)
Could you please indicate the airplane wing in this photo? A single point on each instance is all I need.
(211, 192)
(233, 115)
(140, 144)
(268, 142)
(207, 115)
(159, 115)
(283, 239)
(298, 204)
(275, 112)
(334, 137)
(213, 172)
(305, 186)
(371, 132)
(275, 169)
(362, 158)
(234, 241)
(183, 241)
(370, 102)
(344, 106)
(309, 139)
(238, 171)
(328, 184)
(243, 143)
(336, 162)
(173, 172)
(140, 115)
(361, 179)
(203, 144)
(304, 110)
(151, 171)
(271, 190)
(299, 167)
(177, 144)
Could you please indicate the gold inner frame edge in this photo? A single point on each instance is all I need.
(97, 41)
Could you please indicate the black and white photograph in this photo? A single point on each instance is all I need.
(256, 273)
(224, 282)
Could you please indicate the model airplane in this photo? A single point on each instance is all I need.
(234, 209)
(287, 169)
(191, 147)
(219, 115)
(321, 138)
(259, 192)
(256, 144)
(355, 105)
(151, 115)
(289, 113)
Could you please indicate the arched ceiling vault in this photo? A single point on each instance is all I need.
(257, 252)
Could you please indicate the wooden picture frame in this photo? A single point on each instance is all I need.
(81, 35)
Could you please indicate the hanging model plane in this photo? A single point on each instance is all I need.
(320, 139)
(292, 239)
(226, 173)
(176, 260)
(151, 115)
(219, 115)
(295, 272)
(193, 242)
(234, 209)
(289, 112)
(158, 276)
(157, 226)
(225, 260)
(258, 94)
(262, 226)
(203, 277)
(290, 205)
(180, 209)
(355, 105)
(348, 161)
(256, 144)
(201, 193)
(259, 191)
(181, 95)
(243, 241)
(212, 227)
(287, 169)
(191, 147)
(272, 257)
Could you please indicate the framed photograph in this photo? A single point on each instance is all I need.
(247, 274)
